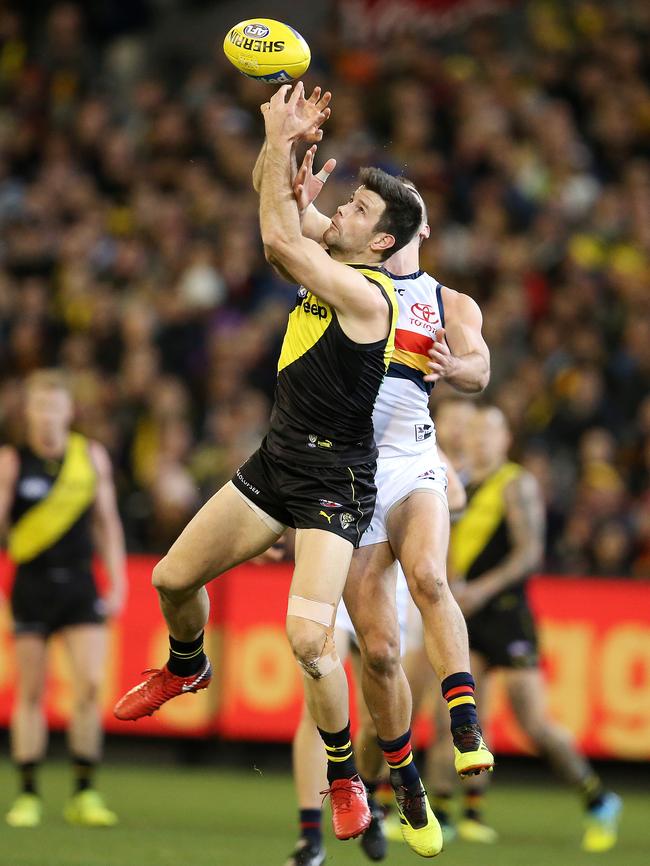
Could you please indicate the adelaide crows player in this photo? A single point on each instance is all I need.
(315, 468)
(438, 337)
(57, 496)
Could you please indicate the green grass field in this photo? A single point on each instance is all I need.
(207, 817)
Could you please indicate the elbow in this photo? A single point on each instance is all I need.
(482, 380)
(274, 246)
(536, 558)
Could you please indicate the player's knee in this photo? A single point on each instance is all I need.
(168, 581)
(381, 655)
(311, 645)
(87, 693)
(428, 582)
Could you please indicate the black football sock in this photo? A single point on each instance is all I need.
(186, 657)
(84, 771)
(399, 758)
(340, 757)
(310, 826)
(27, 777)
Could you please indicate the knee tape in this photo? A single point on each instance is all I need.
(324, 614)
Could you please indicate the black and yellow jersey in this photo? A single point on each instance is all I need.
(480, 540)
(327, 384)
(51, 511)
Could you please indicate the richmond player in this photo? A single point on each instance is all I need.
(57, 496)
(315, 468)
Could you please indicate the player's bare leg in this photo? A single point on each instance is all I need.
(310, 778)
(86, 647)
(370, 760)
(418, 529)
(28, 727)
(527, 694)
(322, 562)
(370, 600)
(224, 533)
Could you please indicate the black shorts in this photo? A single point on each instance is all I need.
(45, 601)
(504, 632)
(338, 499)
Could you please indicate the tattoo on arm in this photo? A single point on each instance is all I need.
(526, 519)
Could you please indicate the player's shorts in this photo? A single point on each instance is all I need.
(396, 478)
(402, 598)
(337, 499)
(46, 600)
(504, 632)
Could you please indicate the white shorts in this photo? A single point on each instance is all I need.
(396, 478)
(402, 597)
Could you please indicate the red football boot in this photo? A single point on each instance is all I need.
(350, 813)
(159, 687)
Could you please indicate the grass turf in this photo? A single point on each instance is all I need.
(205, 817)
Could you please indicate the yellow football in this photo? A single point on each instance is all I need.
(267, 50)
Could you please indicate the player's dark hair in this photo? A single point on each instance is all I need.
(403, 213)
(408, 182)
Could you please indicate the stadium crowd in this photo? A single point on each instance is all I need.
(130, 252)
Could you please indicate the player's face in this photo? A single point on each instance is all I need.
(488, 437)
(453, 420)
(48, 411)
(353, 227)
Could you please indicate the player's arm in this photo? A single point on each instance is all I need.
(456, 496)
(303, 260)
(526, 522)
(306, 185)
(9, 467)
(306, 188)
(8, 476)
(460, 355)
(107, 526)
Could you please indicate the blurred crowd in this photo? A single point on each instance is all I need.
(130, 252)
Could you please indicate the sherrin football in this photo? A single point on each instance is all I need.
(267, 50)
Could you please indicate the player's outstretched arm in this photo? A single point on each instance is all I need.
(109, 536)
(460, 355)
(299, 258)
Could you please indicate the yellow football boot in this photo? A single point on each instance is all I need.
(470, 830)
(87, 809)
(471, 755)
(601, 825)
(26, 811)
(420, 827)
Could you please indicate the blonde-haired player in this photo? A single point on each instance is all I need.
(58, 500)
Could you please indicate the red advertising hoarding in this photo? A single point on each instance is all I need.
(595, 637)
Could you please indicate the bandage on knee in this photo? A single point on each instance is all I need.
(323, 614)
(316, 611)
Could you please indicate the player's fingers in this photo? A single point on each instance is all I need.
(432, 377)
(264, 107)
(280, 95)
(326, 170)
(315, 95)
(325, 99)
(441, 335)
(298, 92)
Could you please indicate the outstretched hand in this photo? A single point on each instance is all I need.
(296, 118)
(306, 185)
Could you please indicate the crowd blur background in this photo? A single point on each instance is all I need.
(130, 251)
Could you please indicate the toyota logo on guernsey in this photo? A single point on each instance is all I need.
(425, 317)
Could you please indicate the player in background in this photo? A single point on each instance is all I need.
(57, 500)
(495, 546)
(308, 761)
(315, 468)
(411, 522)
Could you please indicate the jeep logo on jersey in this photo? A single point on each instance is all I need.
(257, 31)
(425, 313)
(315, 310)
